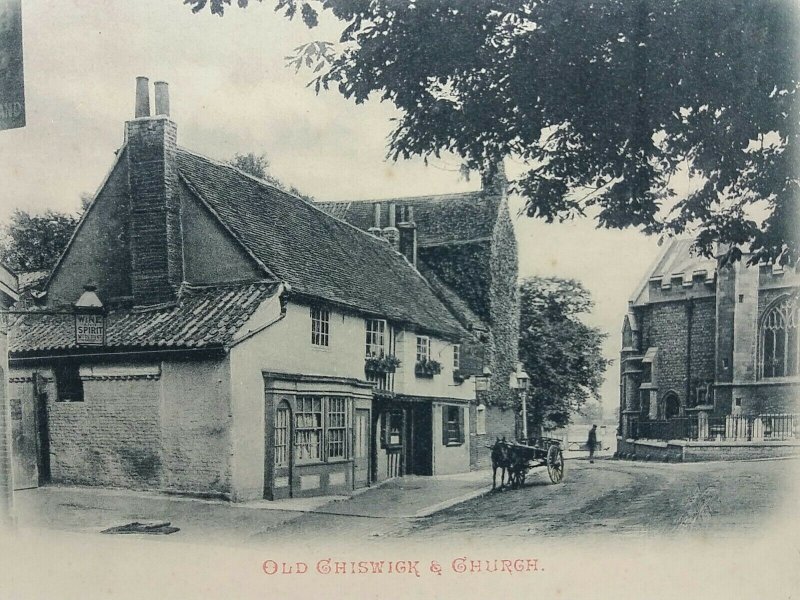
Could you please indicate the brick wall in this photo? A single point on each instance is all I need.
(766, 398)
(500, 422)
(155, 230)
(666, 328)
(168, 429)
(112, 438)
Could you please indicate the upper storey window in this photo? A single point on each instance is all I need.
(320, 327)
(779, 343)
(376, 337)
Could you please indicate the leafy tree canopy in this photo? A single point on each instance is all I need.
(32, 242)
(604, 101)
(562, 355)
(257, 165)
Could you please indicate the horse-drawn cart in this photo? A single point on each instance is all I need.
(517, 459)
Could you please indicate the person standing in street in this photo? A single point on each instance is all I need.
(591, 443)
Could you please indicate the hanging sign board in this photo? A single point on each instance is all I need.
(12, 82)
(90, 329)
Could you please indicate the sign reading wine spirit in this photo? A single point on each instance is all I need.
(90, 329)
(12, 82)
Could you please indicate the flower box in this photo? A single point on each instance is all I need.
(382, 363)
(427, 368)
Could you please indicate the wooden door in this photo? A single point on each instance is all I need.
(282, 452)
(361, 448)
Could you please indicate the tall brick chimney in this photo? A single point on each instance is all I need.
(493, 178)
(155, 229)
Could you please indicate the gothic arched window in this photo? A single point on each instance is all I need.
(779, 343)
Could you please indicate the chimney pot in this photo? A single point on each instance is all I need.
(377, 215)
(162, 98)
(142, 108)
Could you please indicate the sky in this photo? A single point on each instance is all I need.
(230, 92)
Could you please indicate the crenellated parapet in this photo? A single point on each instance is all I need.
(696, 283)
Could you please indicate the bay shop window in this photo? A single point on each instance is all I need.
(322, 426)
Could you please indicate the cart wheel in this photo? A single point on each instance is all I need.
(555, 464)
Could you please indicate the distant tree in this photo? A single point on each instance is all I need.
(257, 165)
(86, 200)
(32, 242)
(561, 354)
(591, 412)
(604, 100)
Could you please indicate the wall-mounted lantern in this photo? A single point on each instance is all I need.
(90, 319)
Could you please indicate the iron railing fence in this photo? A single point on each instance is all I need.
(763, 427)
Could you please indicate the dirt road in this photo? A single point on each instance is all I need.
(627, 498)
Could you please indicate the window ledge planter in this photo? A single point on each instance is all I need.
(427, 368)
(459, 376)
(383, 363)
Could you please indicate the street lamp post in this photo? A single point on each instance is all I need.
(520, 381)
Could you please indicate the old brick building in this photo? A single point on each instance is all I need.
(467, 250)
(205, 332)
(704, 344)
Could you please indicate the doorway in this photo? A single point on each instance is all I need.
(282, 452)
(42, 428)
(672, 406)
(361, 448)
(419, 457)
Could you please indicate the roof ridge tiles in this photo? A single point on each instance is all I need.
(398, 199)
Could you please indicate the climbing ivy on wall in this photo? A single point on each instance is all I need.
(465, 269)
(504, 307)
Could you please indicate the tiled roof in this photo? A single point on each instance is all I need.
(202, 317)
(440, 219)
(318, 255)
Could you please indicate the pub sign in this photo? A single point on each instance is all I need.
(90, 329)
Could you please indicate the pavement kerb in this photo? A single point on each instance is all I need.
(430, 510)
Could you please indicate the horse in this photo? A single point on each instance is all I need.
(517, 467)
(500, 460)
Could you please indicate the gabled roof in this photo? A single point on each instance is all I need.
(675, 259)
(202, 317)
(318, 255)
(442, 219)
(453, 301)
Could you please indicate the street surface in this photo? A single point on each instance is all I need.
(609, 498)
(613, 497)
